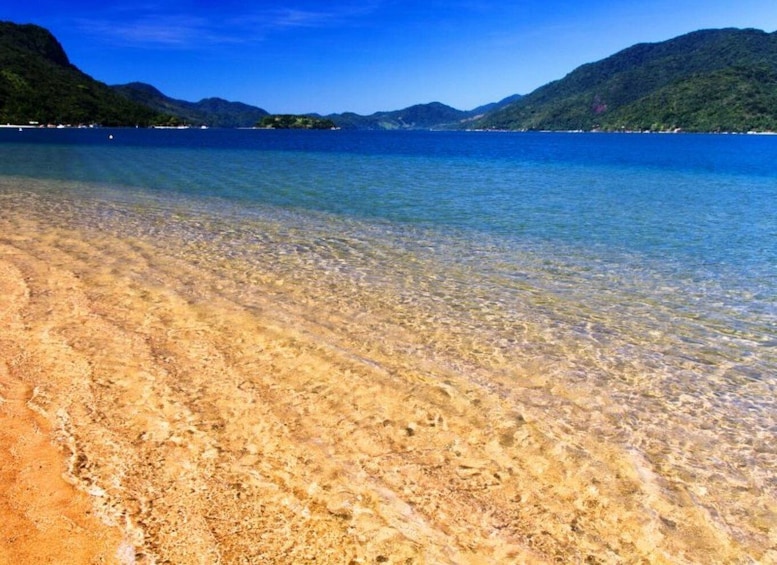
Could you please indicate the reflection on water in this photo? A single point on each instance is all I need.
(670, 367)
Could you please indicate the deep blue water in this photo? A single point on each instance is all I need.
(707, 199)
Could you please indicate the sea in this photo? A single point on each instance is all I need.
(633, 276)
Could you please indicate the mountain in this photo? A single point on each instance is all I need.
(434, 115)
(703, 81)
(419, 116)
(709, 80)
(39, 84)
(214, 112)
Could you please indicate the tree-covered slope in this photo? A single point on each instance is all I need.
(214, 112)
(737, 99)
(39, 84)
(670, 80)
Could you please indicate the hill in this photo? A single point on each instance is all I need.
(709, 80)
(214, 112)
(703, 81)
(419, 116)
(433, 115)
(39, 84)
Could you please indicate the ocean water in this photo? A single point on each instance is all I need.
(623, 286)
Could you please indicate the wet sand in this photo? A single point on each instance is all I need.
(149, 417)
(44, 518)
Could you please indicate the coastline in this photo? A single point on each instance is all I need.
(21, 127)
(46, 519)
(213, 417)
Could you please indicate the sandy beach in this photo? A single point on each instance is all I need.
(147, 416)
(44, 518)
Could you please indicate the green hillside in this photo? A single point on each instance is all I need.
(735, 99)
(704, 81)
(39, 84)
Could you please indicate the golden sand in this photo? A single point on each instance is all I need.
(44, 518)
(148, 418)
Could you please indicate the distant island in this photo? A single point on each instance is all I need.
(291, 121)
(722, 80)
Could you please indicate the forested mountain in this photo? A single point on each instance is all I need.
(707, 80)
(419, 116)
(434, 115)
(214, 112)
(39, 84)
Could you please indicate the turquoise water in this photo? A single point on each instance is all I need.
(685, 223)
(699, 198)
(639, 268)
(696, 210)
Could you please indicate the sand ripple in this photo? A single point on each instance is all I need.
(207, 430)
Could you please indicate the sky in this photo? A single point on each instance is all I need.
(301, 56)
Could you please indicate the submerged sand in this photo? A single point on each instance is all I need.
(148, 417)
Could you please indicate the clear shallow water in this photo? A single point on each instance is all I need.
(696, 211)
(633, 277)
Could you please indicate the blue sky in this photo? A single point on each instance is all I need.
(301, 56)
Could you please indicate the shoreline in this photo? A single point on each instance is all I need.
(677, 131)
(45, 518)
